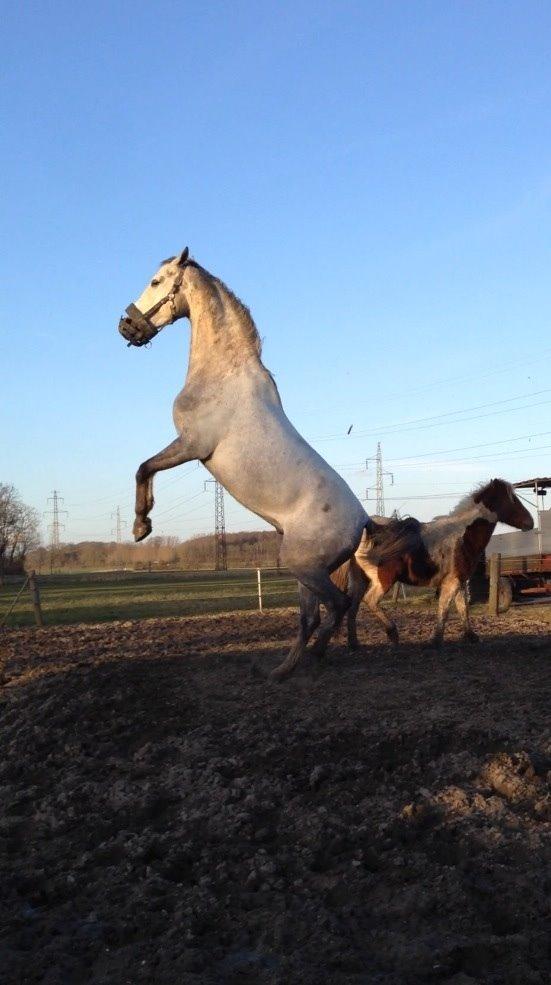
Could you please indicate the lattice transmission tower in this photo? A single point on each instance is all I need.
(55, 526)
(220, 549)
(117, 530)
(220, 546)
(378, 488)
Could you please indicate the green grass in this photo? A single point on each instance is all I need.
(91, 597)
(106, 596)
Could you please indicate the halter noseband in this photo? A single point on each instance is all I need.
(136, 328)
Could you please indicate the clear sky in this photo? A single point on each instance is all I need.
(372, 179)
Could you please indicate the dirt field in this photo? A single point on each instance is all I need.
(169, 816)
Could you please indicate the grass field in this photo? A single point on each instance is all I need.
(105, 596)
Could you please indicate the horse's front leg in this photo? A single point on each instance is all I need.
(462, 606)
(373, 599)
(176, 453)
(448, 591)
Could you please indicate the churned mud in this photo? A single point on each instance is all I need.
(170, 816)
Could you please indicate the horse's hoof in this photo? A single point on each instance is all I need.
(393, 636)
(471, 637)
(434, 644)
(141, 529)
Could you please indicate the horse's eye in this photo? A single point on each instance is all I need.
(155, 283)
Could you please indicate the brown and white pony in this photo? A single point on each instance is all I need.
(442, 554)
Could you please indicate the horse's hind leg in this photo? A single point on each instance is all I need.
(309, 620)
(357, 585)
(336, 604)
(174, 454)
(316, 587)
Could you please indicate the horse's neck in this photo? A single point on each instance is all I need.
(478, 533)
(223, 335)
(456, 523)
(469, 511)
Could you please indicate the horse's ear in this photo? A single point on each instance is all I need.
(182, 259)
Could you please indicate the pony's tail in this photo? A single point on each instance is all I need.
(382, 542)
(340, 576)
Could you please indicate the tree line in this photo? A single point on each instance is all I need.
(19, 531)
(244, 550)
(20, 547)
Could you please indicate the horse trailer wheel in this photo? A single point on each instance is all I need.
(505, 593)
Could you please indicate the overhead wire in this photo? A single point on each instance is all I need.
(436, 420)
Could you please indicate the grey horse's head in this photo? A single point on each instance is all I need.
(160, 304)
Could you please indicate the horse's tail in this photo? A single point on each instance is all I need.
(387, 541)
(339, 577)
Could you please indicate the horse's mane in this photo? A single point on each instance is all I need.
(247, 322)
(468, 501)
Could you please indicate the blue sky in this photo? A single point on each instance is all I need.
(372, 179)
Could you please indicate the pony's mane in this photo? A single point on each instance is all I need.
(468, 500)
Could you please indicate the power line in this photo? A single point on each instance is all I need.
(178, 504)
(420, 423)
(125, 492)
(482, 444)
(446, 381)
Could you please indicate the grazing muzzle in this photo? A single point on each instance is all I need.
(136, 327)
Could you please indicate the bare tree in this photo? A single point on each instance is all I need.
(19, 531)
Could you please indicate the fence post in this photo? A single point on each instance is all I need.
(14, 603)
(493, 596)
(398, 589)
(259, 579)
(33, 585)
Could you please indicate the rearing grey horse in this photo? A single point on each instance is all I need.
(229, 416)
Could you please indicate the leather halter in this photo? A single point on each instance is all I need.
(136, 328)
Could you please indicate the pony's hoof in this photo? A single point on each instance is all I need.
(279, 674)
(141, 529)
(471, 637)
(434, 644)
(393, 637)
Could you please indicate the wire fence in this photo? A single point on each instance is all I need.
(102, 596)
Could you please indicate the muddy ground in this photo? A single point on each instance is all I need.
(169, 816)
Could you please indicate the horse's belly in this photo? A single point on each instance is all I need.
(287, 486)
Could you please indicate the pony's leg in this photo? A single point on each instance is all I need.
(315, 587)
(174, 454)
(373, 599)
(357, 585)
(448, 591)
(462, 606)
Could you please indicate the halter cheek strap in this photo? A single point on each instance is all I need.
(137, 328)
